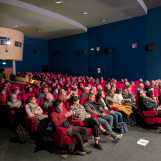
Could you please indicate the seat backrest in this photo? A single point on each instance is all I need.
(3, 99)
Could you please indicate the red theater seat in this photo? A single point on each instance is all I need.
(62, 137)
(31, 124)
(150, 117)
(3, 99)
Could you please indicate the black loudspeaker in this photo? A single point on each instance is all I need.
(1, 70)
(18, 44)
(34, 51)
(80, 52)
(150, 47)
(44, 68)
(108, 51)
(56, 53)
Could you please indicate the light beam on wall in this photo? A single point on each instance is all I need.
(143, 5)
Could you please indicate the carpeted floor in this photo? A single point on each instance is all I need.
(126, 150)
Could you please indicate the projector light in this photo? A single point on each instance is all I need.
(84, 13)
(8, 42)
(59, 2)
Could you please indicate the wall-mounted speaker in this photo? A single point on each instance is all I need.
(34, 51)
(108, 51)
(18, 44)
(80, 52)
(56, 53)
(150, 47)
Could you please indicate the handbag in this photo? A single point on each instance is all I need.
(122, 127)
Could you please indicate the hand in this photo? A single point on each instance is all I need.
(159, 108)
(104, 114)
(68, 114)
(31, 116)
(89, 115)
(37, 112)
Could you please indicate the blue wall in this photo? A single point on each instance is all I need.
(119, 36)
(69, 55)
(153, 34)
(35, 55)
(8, 64)
(124, 61)
(72, 54)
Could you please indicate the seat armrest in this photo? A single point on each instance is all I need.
(150, 113)
(77, 123)
(62, 130)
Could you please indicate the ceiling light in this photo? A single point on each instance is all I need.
(104, 20)
(59, 2)
(98, 48)
(38, 30)
(84, 13)
(4, 63)
(8, 42)
(91, 49)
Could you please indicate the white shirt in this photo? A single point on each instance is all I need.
(118, 98)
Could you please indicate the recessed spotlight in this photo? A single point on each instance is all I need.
(84, 13)
(98, 48)
(4, 63)
(104, 20)
(91, 49)
(59, 2)
(38, 30)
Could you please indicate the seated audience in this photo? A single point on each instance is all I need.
(104, 118)
(103, 105)
(59, 117)
(48, 102)
(118, 104)
(147, 103)
(128, 98)
(109, 114)
(34, 110)
(79, 113)
(14, 110)
(35, 113)
(14, 103)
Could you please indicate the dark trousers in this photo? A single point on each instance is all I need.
(159, 113)
(41, 132)
(15, 117)
(92, 123)
(80, 135)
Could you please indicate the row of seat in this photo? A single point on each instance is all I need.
(61, 136)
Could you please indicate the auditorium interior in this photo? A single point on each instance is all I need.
(80, 80)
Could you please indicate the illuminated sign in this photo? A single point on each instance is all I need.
(4, 40)
(18, 44)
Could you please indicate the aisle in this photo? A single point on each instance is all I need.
(126, 150)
